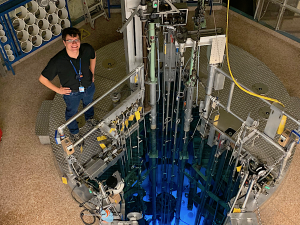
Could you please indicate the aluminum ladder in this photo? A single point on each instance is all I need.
(93, 11)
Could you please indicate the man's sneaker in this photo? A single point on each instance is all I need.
(76, 137)
(92, 122)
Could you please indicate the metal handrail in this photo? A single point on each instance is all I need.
(61, 128)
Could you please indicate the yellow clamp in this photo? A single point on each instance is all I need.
(64, 180)
(137, 115)
(131, 118)
(237, 210)
(103, 146)
(101, 138)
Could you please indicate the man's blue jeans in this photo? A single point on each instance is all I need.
(73, 100)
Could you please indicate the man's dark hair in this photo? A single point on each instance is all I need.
(72, 31)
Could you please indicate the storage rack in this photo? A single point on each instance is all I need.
(15, 40)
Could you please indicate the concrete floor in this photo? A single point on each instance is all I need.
(31, 189)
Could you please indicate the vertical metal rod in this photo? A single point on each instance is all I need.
(209, 88)
(145, 61)
(204, 195)
(183, 154)
(152, 76)
(153, 152)
(178, 97)
(259, 6)
(230, 96)
(285, 159)
(163, 111)
(198, 72)
(280, 16)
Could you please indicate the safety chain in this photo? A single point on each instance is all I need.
(201, 14)
(255, 198)
(196, 48)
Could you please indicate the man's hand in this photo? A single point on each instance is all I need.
(64, 91)
(93, 79)
(60, 90)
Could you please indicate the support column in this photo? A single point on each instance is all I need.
(209, 89)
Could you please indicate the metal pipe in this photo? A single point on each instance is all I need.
(152, 75)
(145, 61)
(183, 154)
(158, 68)
(258, 9)
(60, 129)
(280, 16)
(153, 164)
(285, 159)
(188, 110)
(241, 187)
(230, 95)
(152, 51)
(181, 167)
(129, 19)
(209, 89)
(291, 8)
(249, 192)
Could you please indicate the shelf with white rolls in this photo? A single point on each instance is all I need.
(27, 26)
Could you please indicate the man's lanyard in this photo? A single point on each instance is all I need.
(78, 74)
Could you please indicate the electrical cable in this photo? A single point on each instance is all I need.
(229, 68)
(82, 204)
(82, 214)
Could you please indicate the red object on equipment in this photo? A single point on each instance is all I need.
(0, 134)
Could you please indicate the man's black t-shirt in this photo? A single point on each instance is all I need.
(60, 65)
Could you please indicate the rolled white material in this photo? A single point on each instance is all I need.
(46, 35)
(22, 35)
(20, 12)
(43, 24)
(32, 29)
(60, 4)
(65, 23)
(18, 24)
(11, 57)
(2, 33)
(36, 40)
(53, 18)
(62, 13)
(3, 39)
(40, 13)
(26, 46)
(32, 6)
(29, 19)
(55, 29)
(1, 27)
(9, 52)
(51, 8)
(7, 47)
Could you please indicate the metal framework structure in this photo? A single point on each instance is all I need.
(197, 154)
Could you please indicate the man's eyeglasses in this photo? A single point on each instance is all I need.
(71, 41)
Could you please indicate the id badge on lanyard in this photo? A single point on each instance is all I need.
(79, 76)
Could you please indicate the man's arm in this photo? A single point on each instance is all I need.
(59, 90)
(92, 66)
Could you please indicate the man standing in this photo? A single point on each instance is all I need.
(75, 67)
